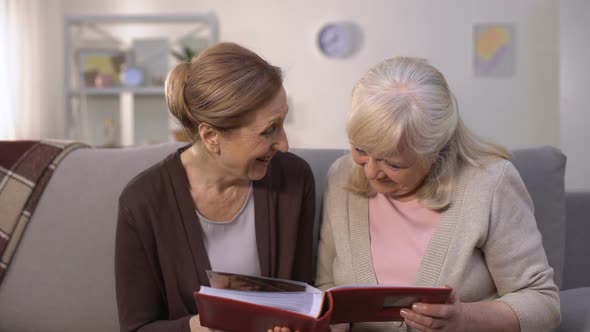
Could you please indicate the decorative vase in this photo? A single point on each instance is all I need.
(103, 80)
(132, 76)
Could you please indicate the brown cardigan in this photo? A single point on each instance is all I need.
(160, 258)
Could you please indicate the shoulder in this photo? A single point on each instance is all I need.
(149, 182)
(490, 172)
(483, 183)
(338, 176)
(340, 169)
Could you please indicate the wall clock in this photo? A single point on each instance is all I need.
(338, 40)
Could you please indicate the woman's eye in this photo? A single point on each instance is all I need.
(362, 152)
(269, 131)
(391, 165)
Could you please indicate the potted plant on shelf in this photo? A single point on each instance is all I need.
(185, 55)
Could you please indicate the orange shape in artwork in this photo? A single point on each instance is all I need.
(490, 40)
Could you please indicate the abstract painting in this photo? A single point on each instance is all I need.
(494, 50)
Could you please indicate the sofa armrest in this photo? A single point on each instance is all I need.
(575, 310)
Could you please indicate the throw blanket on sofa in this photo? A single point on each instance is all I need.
(25, 169)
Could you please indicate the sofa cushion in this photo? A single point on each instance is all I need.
(575, 312)
(576, 248)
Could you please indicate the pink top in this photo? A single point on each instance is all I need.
(400, 232)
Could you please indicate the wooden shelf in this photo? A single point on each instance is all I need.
(115, 91)
(118, 32)
(135, 19)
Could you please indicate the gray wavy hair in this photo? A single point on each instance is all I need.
(404, 104)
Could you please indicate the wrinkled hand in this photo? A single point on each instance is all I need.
(195, 325)
(451, 316)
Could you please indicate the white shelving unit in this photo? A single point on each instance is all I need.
(83, 32)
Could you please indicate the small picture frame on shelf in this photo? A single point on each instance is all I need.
(151, 57)
(100, 68)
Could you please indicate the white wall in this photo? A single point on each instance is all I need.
(574, 84)
(50, 123)
(518, 111)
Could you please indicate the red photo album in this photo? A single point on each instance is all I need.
(246, 303)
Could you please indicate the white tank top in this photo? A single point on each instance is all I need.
(231, 245)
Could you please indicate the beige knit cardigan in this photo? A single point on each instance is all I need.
(487, 245)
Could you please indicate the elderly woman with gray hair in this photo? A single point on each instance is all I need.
(423, 201)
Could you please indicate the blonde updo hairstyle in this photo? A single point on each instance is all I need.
(402, 105)
(220, 87)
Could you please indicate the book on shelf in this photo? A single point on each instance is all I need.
(237, 302)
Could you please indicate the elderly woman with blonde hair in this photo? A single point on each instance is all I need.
(422, 201)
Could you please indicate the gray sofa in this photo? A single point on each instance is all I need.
(61, 278)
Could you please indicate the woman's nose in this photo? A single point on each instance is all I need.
(282, 143)
(371, 168)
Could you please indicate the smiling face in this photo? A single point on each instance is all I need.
(398, 176)
(246, 152)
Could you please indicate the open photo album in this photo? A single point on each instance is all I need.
(237, 302)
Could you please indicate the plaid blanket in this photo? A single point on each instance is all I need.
(25, 169)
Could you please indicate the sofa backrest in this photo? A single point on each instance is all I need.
(62, 274)
(61, 277)
(577, 249)
(320, 161)
(543, 172)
